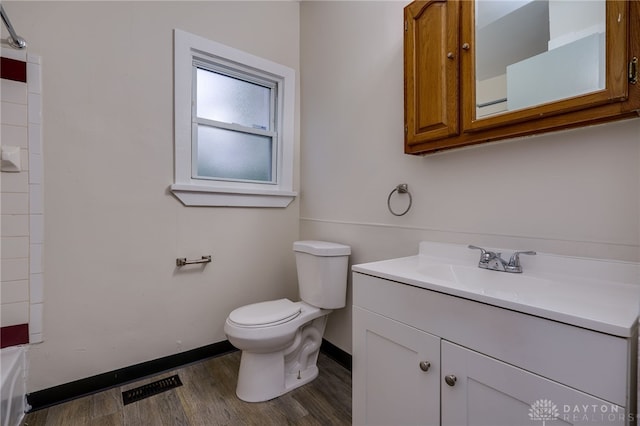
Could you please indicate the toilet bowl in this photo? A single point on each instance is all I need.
(280, 339)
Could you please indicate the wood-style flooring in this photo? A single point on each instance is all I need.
(208, 397)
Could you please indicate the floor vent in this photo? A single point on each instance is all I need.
(150, 389)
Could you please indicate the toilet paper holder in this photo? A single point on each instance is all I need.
(181, 261)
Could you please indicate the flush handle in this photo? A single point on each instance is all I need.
(425, 365)
(450, 379)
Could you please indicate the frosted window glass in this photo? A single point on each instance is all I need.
(227, 154)
(230, 100)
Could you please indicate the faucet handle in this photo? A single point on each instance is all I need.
(485, 255)
(514, 262)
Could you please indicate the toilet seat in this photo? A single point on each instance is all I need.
(265, 314)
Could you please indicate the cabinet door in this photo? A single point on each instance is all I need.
(390, 386)
(431, 70)
(492, 393)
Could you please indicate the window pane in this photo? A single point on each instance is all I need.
(226, 154)
(230, 100)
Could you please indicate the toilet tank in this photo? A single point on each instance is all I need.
(323, 268)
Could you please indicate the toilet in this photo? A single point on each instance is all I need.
(280, 339)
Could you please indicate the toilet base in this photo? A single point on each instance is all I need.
(261, 377)
(264, 376)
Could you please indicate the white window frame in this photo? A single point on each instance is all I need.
(206, 192)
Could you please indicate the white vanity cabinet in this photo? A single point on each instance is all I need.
(424, 357)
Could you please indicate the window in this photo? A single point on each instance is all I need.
(234, 120)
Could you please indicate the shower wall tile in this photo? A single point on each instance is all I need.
(14, 225)
(35, 258)
(18, 55)
(14, 114)
(13, 91)
(36, 337)
(14, 314)
(36, 229)
(35, 168)
(24, 160)
(15, 182)
(15, 247)
(14, 335)
(36, 288)
(15, 135)
(15, 291)
(35, 139)
(15, 203)
(34, 79)
(34, 108)
(12, 69)
(36, 199)
(14, 269)
(34, 59)
(35, 318)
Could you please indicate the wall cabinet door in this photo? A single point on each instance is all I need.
(431, 41)
(489, 392)
(441, 79)
(396, 372)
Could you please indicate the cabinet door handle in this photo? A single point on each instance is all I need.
(450, 379)
(425, 365)
(465, 46)
(450, 55)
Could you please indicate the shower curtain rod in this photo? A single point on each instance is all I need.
(14, 39)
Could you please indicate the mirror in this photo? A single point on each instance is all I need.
(531, 52)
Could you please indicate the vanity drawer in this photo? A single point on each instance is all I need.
(593, 362)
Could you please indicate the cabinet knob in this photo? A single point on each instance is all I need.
(465, 46)
(450, 379)
(425, 365)
(450, 55)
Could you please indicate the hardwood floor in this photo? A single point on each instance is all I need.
(208, 397)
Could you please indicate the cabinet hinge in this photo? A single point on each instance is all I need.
(633, 70)
(406, 26)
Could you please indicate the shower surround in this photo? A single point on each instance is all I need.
(21, 207)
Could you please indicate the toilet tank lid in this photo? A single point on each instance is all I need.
(321, 248)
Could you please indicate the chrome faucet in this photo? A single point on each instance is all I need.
(494, 261)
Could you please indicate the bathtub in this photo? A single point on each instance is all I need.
(13, 385)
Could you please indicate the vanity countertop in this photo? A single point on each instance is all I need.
(596, 294)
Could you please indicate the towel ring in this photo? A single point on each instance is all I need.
(403, 188)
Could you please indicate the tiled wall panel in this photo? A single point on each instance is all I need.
(36, 199)
(22, 203)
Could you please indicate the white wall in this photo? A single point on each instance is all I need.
(114, 297)
(574, 192)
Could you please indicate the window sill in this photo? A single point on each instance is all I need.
(197, 195)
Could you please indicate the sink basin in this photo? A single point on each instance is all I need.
(482, 281)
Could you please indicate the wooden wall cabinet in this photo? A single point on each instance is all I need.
(440, 80)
